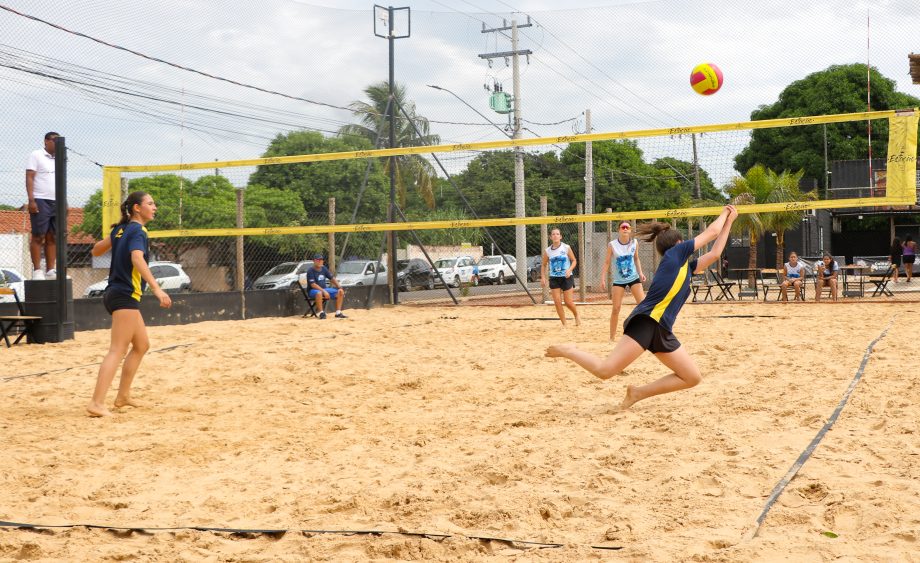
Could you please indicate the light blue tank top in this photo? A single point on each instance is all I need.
(558, 260)
(623, 261)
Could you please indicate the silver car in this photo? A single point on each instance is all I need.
(361, 272)
(288, 274)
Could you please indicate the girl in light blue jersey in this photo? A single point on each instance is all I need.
(622, 253)
(558, 264)
(649, 326)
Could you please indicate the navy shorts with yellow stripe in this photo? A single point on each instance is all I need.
(115, 301)
(650, 335)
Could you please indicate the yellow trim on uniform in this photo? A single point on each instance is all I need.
(136, 282)
(659, 309)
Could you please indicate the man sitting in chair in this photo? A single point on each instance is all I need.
(318, 278)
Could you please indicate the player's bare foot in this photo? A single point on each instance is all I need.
(94, 409)
(126, 402)
(630, 399)
(559, 350)
(577, 321)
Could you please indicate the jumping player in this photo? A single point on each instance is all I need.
(128, 277)
(649, 325)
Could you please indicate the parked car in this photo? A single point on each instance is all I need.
(169, 275)
(287, 274)
(534, 264)
(455, 271)
(13, 279)
(361, 272)
(496, 269)
(414, 273)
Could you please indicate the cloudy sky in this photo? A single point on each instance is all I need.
(628, 61)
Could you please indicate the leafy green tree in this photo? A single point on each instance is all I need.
(205, 203)
(624, 181)
(411, 170)
(837, 89)
(682, 172)
(315, 182)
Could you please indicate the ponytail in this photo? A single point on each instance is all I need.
(661, 233)
(127, 207)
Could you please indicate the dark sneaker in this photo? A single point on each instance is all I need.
(322, 315)
(340, 316)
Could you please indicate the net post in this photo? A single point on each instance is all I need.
(609, 210)
(580, 210)
(544, 242)
(330, 236)
(111, 191)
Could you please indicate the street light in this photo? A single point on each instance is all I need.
(386, 28)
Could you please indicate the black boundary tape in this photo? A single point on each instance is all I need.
(37, 374)
(281, 532)
(803, 457)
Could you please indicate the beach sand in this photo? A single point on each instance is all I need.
(449, 421)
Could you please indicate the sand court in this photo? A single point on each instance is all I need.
(448, 421)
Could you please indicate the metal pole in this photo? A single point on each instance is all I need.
(60, 232)
(580, 209)
(587, 258)
(544, 242)
(330, 237)
(609, 238)
(696, 170)
(391, 215)
(240, 259)
(520, 231)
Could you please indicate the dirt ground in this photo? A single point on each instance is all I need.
(425, 422)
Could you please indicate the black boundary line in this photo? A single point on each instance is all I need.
(531, 319)
(37, 374)
(803, 457)
(282, 531)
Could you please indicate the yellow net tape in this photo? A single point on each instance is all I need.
(901, 177)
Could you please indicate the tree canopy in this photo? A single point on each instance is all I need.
(837, 89)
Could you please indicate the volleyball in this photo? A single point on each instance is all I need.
(706, 79)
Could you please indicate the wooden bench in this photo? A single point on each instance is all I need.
(10, 322)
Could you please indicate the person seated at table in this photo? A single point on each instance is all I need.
(827, 271)
(793, 273)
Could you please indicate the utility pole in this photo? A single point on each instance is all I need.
(385, 27)
(587, 259)
(520, 231)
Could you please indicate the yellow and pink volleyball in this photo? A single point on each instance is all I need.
(706, 79)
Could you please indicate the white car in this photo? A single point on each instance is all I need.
(288, 274)
(455, 271)
(13, 279)
(361, 272)
(496, 269)
(169, 275)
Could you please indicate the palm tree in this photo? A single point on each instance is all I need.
(413, 169)
(753, 187)
(785, 188)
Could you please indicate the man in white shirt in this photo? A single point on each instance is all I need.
(40, 189)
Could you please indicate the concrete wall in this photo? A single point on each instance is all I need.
(90, 314)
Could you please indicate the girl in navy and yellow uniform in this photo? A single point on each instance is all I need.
(649, 326)
(129, 276)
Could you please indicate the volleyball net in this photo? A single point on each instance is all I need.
(246, 216)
